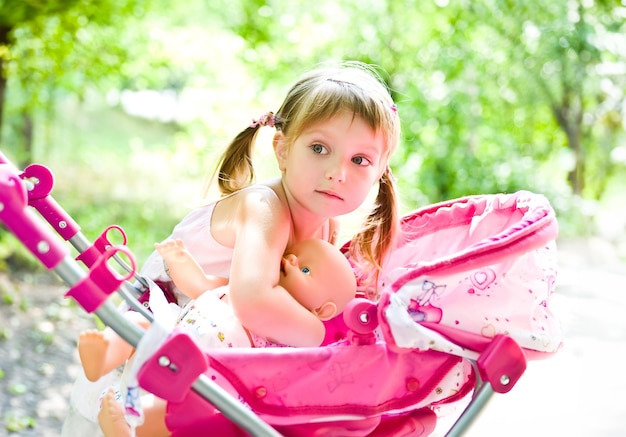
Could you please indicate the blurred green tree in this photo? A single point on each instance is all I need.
(57, 46)
(565, 58)
(494, 95)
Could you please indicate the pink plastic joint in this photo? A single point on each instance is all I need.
(24, 224)
(172, 370)
(102, 280)
(40, 181)
(361, 317)
(99, 246)
(502, 363)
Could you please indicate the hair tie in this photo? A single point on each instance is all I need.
(394, 108)
(267, 119)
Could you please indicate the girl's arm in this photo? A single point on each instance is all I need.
(263, 226)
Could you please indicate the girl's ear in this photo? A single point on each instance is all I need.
(280, 150)
(326, 312)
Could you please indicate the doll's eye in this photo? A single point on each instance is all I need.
(305, 270)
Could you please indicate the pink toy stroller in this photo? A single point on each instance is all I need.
(465, 302)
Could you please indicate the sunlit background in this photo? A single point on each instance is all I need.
(130, 101)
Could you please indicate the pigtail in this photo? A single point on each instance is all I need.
(234, 170)
(378, 237)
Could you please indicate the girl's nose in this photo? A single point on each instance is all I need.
(336, 172)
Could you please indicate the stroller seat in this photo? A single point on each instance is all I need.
(466, 271)
(468, 276)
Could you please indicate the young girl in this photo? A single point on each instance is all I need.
(335, 133)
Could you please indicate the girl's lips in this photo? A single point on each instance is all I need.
(330, 194)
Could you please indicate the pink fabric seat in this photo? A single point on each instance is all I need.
(466, 270)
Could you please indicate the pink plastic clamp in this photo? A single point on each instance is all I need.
(99, 246)
(361, 317)
(93, 290)
(24, 224)
(502, 363)
(171, 371)
(40, 183)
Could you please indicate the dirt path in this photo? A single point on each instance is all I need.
(38, 359)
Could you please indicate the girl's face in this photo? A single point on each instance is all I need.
(331, 167)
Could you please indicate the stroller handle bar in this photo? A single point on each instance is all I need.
(20, 190)
(37, 238)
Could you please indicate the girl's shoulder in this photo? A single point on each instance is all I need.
(259, 209)
(255, 199)
(258, 191)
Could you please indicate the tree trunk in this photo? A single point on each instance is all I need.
(4, 41)
(576, 176)
(27, 135)
(569, 117)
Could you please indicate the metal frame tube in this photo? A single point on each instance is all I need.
(470, 414)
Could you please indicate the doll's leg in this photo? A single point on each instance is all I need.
(111, 417)
(154, 410)
(113, 423)
(102, 351)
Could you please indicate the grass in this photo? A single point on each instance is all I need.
(114, 169)
(111, 168)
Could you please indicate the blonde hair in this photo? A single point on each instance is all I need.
(317, 96)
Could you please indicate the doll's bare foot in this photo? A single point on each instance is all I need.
(92, 349)
(111, 417)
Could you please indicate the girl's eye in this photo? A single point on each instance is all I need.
(305, 270)
(319, 149)
(360, 160)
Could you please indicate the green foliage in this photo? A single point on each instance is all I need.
(14, 256)
(18, 389)
(494, 96)
(15, 423)
(14, 12)
(84, 44)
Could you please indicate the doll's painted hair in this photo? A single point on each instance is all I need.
(317, 96)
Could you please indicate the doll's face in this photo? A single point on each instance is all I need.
(315, 272)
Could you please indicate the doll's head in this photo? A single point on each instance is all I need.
(318, 276)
